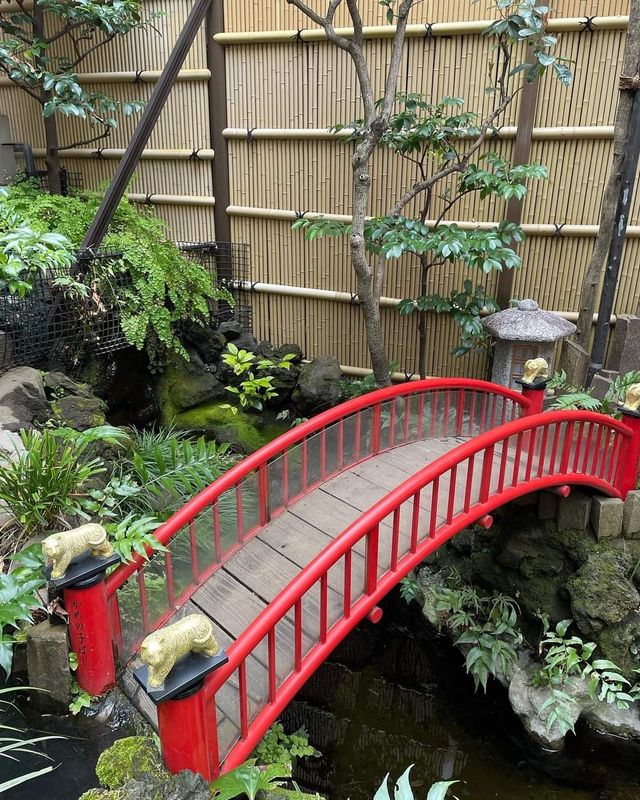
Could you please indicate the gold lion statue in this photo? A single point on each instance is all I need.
(535, 368)
(632, 398)
(61, 548)
(162, 648)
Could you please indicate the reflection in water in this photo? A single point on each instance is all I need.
(391, 697)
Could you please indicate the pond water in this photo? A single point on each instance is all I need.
(74, 756)
(392, 695)
(395, 694)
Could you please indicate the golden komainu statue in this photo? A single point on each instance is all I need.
(632, 398)
(61, 548)
(535, 368)
(162, 648)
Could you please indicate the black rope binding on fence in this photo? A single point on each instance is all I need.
(250, 135)
(587, 24)
(300, 214)
(297, 36)
(138, 76)
(355, 300)
(428, 30)
(147, 198)
(408, 375)
(194, 154)
(98, 153)
(558, 229)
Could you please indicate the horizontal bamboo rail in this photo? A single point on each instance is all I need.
(170, 199)
(199, 154)
(134, 76)
(531, 229)
(559, 133)
(352, 299)
(468, 28)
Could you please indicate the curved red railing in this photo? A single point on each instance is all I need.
(214, 524)
(287, 642)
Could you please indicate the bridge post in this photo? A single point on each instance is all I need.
(188, 734)
(631, 465)
(90, 636)
(534, 393)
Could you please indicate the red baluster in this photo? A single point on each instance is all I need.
(631, 453)
(371, 560)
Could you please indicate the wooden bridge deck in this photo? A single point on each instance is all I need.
(251, 578)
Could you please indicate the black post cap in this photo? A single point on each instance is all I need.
(539, 383)
(186, 677)
(83, 571)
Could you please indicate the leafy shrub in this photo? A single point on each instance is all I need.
(249, 779)
(165, 288)
(19, 599)
(277, 747)
(565, 658)
(42, 485)
(486, 627)
(257, 385)
(572, 397)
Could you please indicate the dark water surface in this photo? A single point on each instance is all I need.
(392, 696)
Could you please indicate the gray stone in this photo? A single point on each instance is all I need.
(22, 399)
(606, 517)
(547, 505)
(608, 718)
(189, 383)
(631, 515)
(187, 786)
(48, 665)
(8, 165)
(59, 385)
(575, 362)
(624, 353)
(574, 511)
(527, 702)
(230, 330)
(289, 349)
(80, 413)
(319, 386)
(600, 386)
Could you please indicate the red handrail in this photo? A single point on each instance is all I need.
(525, 430)
(295, 436)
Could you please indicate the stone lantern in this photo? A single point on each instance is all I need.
(522, 333)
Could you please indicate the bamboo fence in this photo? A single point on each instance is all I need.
(285, 86)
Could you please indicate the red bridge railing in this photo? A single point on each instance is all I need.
(203, 534)
(275, 656)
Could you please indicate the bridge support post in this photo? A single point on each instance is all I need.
(631, 465)
(85, 598)
(188, 734)
(534, 393)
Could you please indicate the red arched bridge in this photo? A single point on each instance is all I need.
(299, 542)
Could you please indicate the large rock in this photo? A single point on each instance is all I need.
(246, 431)
(528, 700)
(22, 399)
(207, 342)
(79, 413)
(319, 386)
(624, 353)
(48, 666)
(187, 384)
(57, 384)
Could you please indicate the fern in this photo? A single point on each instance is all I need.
(170, 469)
(577, 400)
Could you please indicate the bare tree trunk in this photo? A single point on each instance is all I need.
(52, 158)
(591, 281)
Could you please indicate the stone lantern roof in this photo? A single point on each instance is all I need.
(527, 323)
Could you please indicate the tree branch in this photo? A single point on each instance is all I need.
(98, 138)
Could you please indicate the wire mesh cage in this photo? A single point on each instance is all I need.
(53, 324)
(228, 264)
(54, 320)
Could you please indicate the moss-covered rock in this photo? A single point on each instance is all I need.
(102, 794)
(128, 759)
(246, 431)
(79, 413)
(187, 384)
